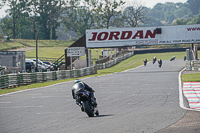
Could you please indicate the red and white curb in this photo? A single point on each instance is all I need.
(191, 91)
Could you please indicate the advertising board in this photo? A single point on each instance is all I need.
(179, 34)
(75, 51)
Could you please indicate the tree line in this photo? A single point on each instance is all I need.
(28, 18)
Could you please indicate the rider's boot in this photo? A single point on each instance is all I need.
(93, 101)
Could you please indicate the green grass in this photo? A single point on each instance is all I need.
(54, 49)
(35, 85)
(131, 62)
(137, 60)
(21, 43)
(47, 43)
(193, 77)
(10, 45)
(46, 52)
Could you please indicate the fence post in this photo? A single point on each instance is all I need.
(63, 76)
(195, 65)
(71, 73)
(44, 76)
(33, 77)
(19, 79)
(4, 83)
(54, 75)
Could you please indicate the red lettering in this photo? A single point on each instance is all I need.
(100, 37)
(126, 34)
(94, 35)
(149, 33)
(138, 34)
(115, 35)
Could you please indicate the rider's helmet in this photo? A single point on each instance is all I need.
(77, 81)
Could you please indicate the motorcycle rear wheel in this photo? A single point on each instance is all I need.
(87, 109)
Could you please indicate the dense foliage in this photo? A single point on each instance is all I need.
(70, 18)
(176, 13)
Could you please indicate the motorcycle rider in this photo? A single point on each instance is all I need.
(88, 88)
(159, 62)
(145, 61)
(154, 59)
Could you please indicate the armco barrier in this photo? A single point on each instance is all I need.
(195, 65)
(114, 62)
(18, 79)
(192, 65)
(4, 83)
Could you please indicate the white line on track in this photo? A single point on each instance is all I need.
(5, 102)
(21, 107)
(36, 94)
(52, 113)
(49, 97)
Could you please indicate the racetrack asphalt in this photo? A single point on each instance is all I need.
(141, 100)
(190, 123)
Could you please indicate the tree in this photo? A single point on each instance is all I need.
(105, 12)
(49, 12)
(181, 22)
(195, 20)
(151, 21)
(78, 17)
(6, 26)
(194, 6)
(157, 11)
(133, 15)
(34, 13)
(18, 9)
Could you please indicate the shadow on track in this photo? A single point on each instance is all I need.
(104, 115)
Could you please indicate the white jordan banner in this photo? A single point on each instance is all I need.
(179, 34)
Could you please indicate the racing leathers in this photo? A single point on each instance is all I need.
(89, 89)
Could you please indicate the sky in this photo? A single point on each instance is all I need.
(152, 3)
(147, 3)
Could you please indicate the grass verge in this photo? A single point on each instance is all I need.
(129, 63)
(193, 77)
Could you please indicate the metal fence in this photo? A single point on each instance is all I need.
(18, 79)
(193, 65)
(114, 61)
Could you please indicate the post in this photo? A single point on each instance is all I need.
(195, 53)
(36, 39)
(192, 46)
(71, 61)
(88, 57)
(97, 54)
